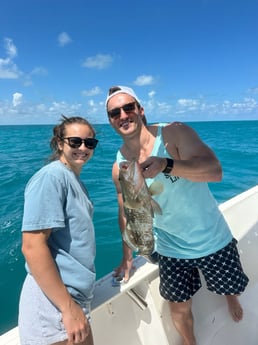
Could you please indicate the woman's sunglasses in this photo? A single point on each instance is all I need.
(127, 108)
(76, 142)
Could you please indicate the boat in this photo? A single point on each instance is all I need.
(135, 314)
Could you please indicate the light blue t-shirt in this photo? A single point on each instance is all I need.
(56, 199)
(191, 224)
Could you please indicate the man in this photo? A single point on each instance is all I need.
(191, 233)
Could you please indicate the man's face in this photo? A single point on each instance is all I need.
(124, 114)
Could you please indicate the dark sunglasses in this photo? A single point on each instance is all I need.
(127, 108)
(75, 142)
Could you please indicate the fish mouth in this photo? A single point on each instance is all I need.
(124, 165)
(128, 168)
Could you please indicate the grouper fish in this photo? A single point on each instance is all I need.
(139, 207)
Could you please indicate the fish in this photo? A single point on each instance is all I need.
(139, 207)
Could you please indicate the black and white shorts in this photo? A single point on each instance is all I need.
(222, 271)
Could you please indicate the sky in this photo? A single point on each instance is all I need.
(187, 60)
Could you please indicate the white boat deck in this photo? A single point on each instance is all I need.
(135, 314)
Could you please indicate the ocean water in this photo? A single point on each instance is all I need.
(24, 149)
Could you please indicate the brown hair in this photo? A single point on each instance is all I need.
(59, 133)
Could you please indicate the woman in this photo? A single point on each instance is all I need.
(58, 243)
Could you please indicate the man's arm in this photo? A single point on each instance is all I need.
(193, 159)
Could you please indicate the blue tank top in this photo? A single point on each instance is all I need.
(191, 224)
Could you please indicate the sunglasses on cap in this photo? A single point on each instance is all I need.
(76, 142)
(127, 108)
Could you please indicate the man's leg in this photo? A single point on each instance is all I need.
(182, 317)
(234, 307)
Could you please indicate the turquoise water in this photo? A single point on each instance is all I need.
(24, 150)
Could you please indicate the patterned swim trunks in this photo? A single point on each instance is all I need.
(222, 271)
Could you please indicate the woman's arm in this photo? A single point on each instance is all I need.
(43, 268)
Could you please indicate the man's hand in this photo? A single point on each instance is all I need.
(152, 166)
(124, 270)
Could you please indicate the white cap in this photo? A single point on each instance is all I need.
(123, 89)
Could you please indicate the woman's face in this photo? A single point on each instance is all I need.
(75, 158)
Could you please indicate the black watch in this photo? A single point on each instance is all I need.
(169, 166)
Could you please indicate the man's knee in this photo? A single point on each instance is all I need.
(180, 310)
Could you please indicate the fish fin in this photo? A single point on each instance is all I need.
(133, 205)
(155, 207)
(127, 240)
(156, 188)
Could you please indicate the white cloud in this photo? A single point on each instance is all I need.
(248, 105)
(151, 94)
(39, 71)
(64, 108)
(253, 90)
(100, 61)
(17, 98)
(144, 80)
(93, 92)
(226, 107)
(94, 107)
(188, 102)
(8, 69)
(19, 111)
(63, 39)
(11, 50)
